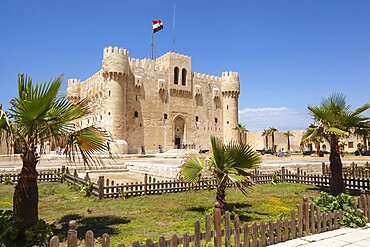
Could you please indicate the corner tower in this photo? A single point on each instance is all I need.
(230, 93)
(116, 70)
(74, 90)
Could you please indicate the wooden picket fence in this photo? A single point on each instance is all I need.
(45, 176)
(105, 188)
(308, 220)
(352, 171)
(352, 183)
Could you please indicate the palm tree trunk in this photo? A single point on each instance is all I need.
(337, 185)
(221, 196)
(25, 200)
(365, 142)
(267, 142)
(288, 144)
(273, 141)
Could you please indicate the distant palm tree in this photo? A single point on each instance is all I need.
(363, 133)
(266, 134)
(241, 127)
(334, 120)
(288, 134)
(39, 114)
(272, 130)
(242, 130)
(228, 163)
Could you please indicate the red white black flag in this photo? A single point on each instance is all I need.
(157, 25)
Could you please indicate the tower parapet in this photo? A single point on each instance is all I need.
(74, 89)
(230, 92)
(115, 61)
(230, 83)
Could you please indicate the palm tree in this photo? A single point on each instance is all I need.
(242, 130)
(334, 120)
(288, 134)
(228, 163)
(272, 130)
(39, 114)
(363, 133)
(266, 133)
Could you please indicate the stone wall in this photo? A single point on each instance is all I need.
(256, 140)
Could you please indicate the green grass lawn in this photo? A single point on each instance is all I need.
(138, 218)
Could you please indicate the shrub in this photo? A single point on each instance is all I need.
(86, 189)
(61, 176)
(39, 234)
(8, 230)
(7, 180)
(36, 235)
(352, 217)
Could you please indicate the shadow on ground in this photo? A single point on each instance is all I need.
(98, 224)
(240, 209)
(327, 190)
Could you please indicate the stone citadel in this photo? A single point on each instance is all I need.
(144, 102)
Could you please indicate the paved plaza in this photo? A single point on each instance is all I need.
(359, 237)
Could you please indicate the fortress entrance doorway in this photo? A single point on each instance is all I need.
(179, 130)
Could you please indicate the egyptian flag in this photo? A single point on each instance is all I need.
(157, 25)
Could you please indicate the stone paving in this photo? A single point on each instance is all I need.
(359, 237)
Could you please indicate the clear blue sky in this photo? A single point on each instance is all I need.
(289, 53)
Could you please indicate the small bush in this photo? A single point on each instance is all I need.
(61, 176)
(86, 189)
(36, 235)
(123, 194)
(8, 180)
(39, 234)
(352, 217)
(8, 230)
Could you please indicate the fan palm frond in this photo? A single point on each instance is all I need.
(191, 170)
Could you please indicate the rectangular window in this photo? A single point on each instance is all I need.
(350, 144)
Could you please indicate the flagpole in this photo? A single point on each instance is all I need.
(152, 44)
(174, 25)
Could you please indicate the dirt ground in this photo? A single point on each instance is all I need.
(119, 176)
(117, 170)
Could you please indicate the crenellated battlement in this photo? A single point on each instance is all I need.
(164, 59)
(72, 82)
(230, 83)
(115, 61)
(108, 51)
(230, 74)
(74, 89)
(206, 77)
(147, 64)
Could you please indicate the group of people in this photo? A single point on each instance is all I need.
(160, 150)
(60, 151)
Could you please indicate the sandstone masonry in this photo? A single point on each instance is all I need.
(144, 102)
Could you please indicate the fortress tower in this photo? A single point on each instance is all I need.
(230, 93)
(115, 71)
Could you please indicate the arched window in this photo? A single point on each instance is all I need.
(183, 78)
(165, 116)
(136, 114)
(176, 75)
